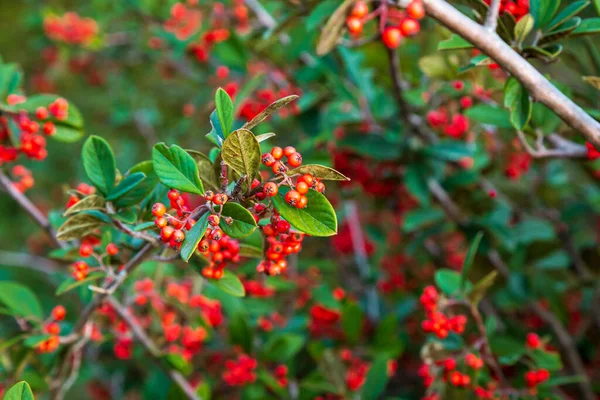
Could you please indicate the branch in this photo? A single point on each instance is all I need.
(151, 348)
(30, 208)
(537, 85)
(491, 21)
(30, 261)
(564, 148)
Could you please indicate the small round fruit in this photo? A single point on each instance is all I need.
(209, 195)
(85, 250)
(220, 199)
(214, 220)
(303, 202)
(416, 9)
(409, 27)
(173, 195)
(283, 226)
(278, 168)
(392, 37)
(178, 236)
(277, 152)
(295, 160)
(355, 25)
(112, 249)
(302, 187)
(159, 209)
(308, 178)
(268, 159)
(292, 198)
(160, 222)
(288, 151)
(166, 233)
(360, 9)
(271, 189)
(218, 274)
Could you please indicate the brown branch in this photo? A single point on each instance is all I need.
(30, 208)
(152, 349)
(537, 85)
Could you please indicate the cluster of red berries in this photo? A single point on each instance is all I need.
(83, 189)
(324, 321)
(400, 23)
(453, 124)
(81, 269)
(52, 328)
(268, 322)
(517, 8)
(281, 243)
(261, 99)
(592, 153)
(437, 322)
(33, 145)
(70, 28)
(25, 179)
(218, 252)
(535, 377)
(518, 163)
(171, 227)
(240, 372)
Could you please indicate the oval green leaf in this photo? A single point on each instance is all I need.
(193, 237)
(78, 226)
(243, 222)
(230, 284)
(317, 219)
(176, 169)
(319, 171)
(224, 110)
(19, 391)
(272, 108)
(91, 202)
(241, 152)
(516, 99)
(71, 283)
(20, 300)
(128, 183)
(99, 163)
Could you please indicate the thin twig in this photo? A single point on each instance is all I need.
(152, 349)
(491, 21)
(30, 261)
(30, 208)
(564, 148)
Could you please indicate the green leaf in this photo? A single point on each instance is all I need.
(543, 11)
(454, 42)
(216, 135)
(243, 222)
(480, 288)
(19, 391)
(224, 110)
(421, 217)
(176, 169)
(547, 359)
(317, 219)
(125, 186)
(517, 100)
(415, 181)
(448, 281)
(272, 108)
(20, 300)
(239, 330)
(74, 119)
(352, 322)
(377, 379)
(568, 12)
(91, 202)
(230, 284)
(320, 12)
(179, 363)
(547, 53)
(35, 340)
(67, 134)
(78, 226)
(193, 237)
(561, 31)
(333, 29)
(587, 27)
(264, 136)
(241, 152)
(10, 77)
(597, 6)
(523, 27)
(489, 115)
(284, 347)
(319, 171)
(508, 350)
(249, 251)
(71, 283)
(449, 150)
(468, 263)
(206, 169)
(142, 191)
(99, 163)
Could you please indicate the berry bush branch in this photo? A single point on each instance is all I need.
(30, 208)
(151, 348)
(537, 85)
(491, 21)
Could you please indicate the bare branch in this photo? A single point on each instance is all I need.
(30, 261)
(30, 208)
(152, 349)
(564, 148)
(537, 85)
(491, 21)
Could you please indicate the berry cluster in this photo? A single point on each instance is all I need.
(81, 269)
(240, 372)
(171, 227)
(22, 178)
(535, 377)
(281, 243)
(449, 117)
(32, 129)
(70, 28)
(52, 328)
(400, 24)
(517, 8)
(82, 189)
(437, 322)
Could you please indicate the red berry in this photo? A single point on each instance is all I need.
(220, 199)
(292, 198)
(416, 9)
(278, 168)
(303, 202)
(288, 151)
(85, 250)
(270, 189)
(277, 152)
(166, 233)
(355, 25)
(160, 222)
(360, 9)
(173, 195)
(159, 209)
(214, 220)
(295, 160)
(409, 27)
(268, 159)
(59, 313)
(392, 37)
(178, 236)
(41, 113)
(283, 226)
(112, 249)
(302, 187)
(49, 128)
(209, 195)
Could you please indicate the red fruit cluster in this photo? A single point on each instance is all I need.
(257, 103)
(535, 377)
(240, 372)
(219, 252)
(281, 374)
(455, 126)
(324, 321)
(52, 328)
(83, 189)
(357, 369)
(437, 322)
(459, 379)
(171, 227)
(281, 243)
(22, 178)
(517, 8)
(70, 28)
(518, 164)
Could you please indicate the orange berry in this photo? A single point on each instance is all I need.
(355, 25)
(270, 189)
(302, 187)
(277, 152)
(360, 9)
(392, 37)
(303, 202)
(292, 198)
(295, 160)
